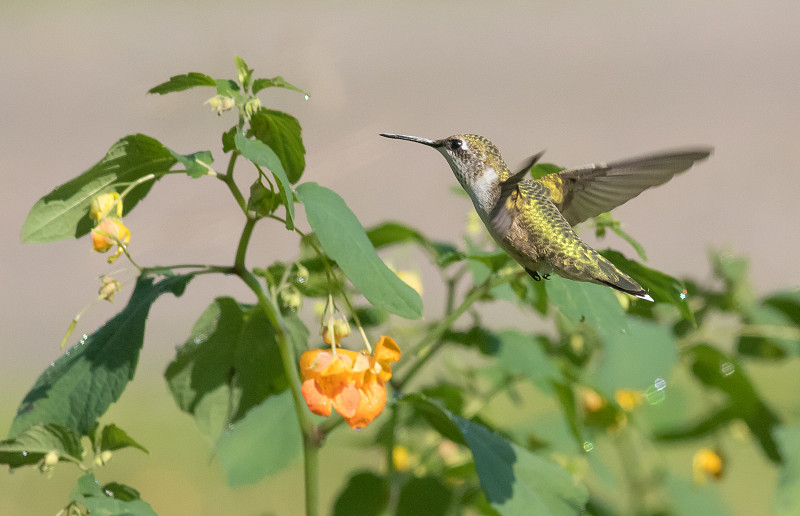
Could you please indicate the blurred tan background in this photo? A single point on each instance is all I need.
(586, 81)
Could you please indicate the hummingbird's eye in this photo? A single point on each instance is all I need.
(454, 144)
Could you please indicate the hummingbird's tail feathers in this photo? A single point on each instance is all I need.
(616, 279)
(584, 192)
(640, 293)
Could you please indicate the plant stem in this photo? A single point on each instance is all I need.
(432, 341)
(244, 240)
(227, 178)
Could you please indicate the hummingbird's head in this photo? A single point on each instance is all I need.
(475, 161)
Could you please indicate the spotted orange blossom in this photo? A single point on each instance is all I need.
(352, 383)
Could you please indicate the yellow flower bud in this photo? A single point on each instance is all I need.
(252, 106)
(51, 459)
(707, 463)
(220, 103)
(628, 399)
(102, 205)
(401, 458)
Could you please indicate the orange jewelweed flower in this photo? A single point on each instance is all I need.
(353, 384)
(104, 234)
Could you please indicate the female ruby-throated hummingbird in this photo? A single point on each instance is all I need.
(532, 219)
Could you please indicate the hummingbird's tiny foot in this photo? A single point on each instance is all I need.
(546, 276)
(536, 276)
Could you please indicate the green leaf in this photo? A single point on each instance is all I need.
(245, 73)
(121, 491)
(78, 387)
(228, 139)
(719, 371)
(261, 444)
(343, 238)
(543, 169)
(436, 415)
(366, 494)
(229, 364)
(607, 221)
(263, 156)
(282, 133)
(64, 212)
(114, 438)
(689, 500)
(229, 88)
(426, 495)
(261, 200)
(275, 82)
(183, 82)
(100, 502)
(579, 301)
(523, 354)
(516, 481)
(197, 164)
(30, 446)
(787, 497)
(390, 233)
(635, 358)
(662, 287)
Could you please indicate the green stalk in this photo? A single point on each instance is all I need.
(432, 342)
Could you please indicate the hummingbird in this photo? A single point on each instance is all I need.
(533, 219)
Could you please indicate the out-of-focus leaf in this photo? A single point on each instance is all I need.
(451, 396)
(426, 495)
(261, 444)
(714, 369)
(516, 481)
(437, 416)
(196, 164)
(262, 155)
(787, 498)
(229, 364)
(542, 169)
(662, 287)
(98, 502)
(635, 358)
(390, 233)
(689, 500)
(64, 212)
(343, 238)
(78, 387)
(121, 491)
(523, 354)
(275, 82)
(30, 446)
(596, 304)
(115, 438)
(771, 333)
(183, 82)
(366, 494)
(606, 221)
(478, 337)
(788, 303)
(281, 132)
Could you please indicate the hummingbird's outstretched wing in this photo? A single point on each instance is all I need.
(584, 192)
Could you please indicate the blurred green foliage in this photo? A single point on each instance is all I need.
(602, 363)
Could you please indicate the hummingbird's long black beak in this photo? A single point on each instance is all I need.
(424, 141)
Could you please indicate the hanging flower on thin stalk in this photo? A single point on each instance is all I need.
(109, 231)
(352, 383)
